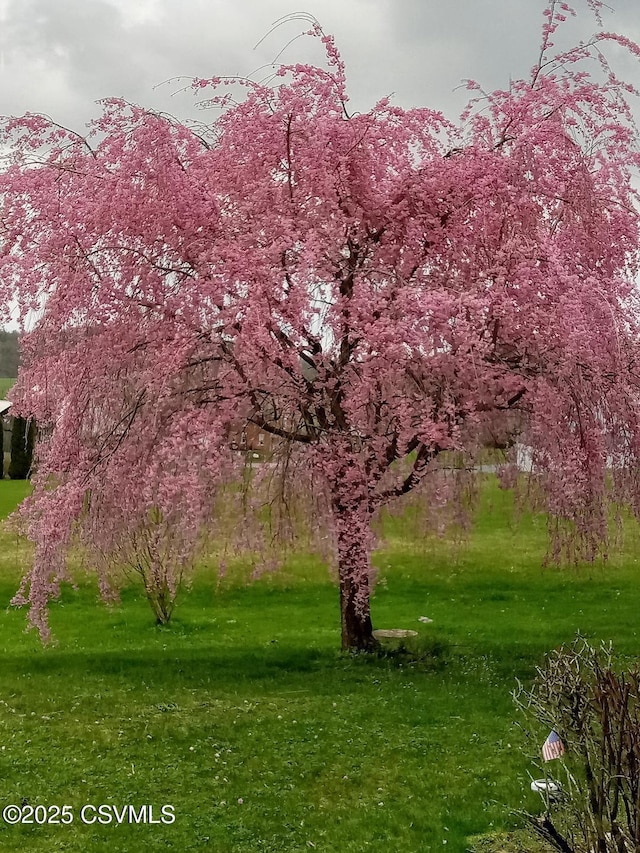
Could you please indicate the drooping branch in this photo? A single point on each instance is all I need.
(267, 426)
(423, 458)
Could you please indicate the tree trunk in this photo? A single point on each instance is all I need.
(353, 533)
(355, 614)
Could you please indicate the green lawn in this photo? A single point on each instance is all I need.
(244, 716)
(5, 387)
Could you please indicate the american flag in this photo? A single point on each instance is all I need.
(552, 747)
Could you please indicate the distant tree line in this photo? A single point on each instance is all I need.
(22, 432)
(23, 439)
(9, 355)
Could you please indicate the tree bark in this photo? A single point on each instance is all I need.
(353, 533)
(355, 614)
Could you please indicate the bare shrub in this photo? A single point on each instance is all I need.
(596, 712)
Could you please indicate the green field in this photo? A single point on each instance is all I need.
(5, 387)
(244, 716)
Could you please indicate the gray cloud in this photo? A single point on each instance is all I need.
(59, 56)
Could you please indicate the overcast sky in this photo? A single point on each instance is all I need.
(60, 56)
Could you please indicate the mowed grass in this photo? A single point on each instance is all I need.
(245, 717)
(5, 386)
